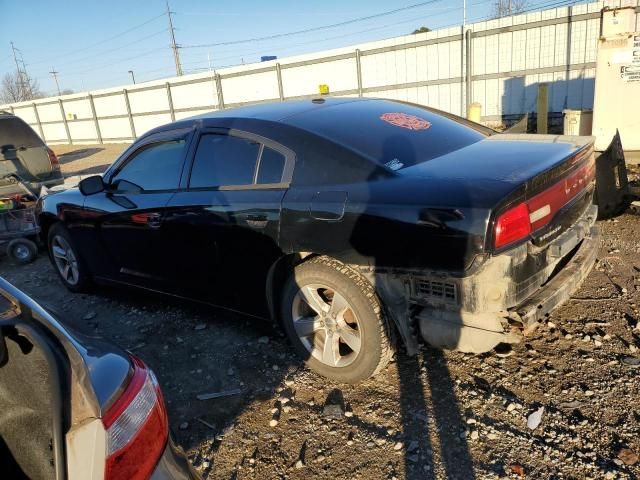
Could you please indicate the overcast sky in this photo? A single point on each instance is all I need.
(93, 44)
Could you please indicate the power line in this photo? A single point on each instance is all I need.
(314, 29)
(106, 65)
(287, 47)
(120, 47)
(540, 6)
(101, 42)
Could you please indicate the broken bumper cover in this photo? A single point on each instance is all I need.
(480, 331)
(560, 287)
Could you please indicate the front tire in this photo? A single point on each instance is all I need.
(67, 262)
(335, 321)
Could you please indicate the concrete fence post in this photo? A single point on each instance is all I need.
(359, 72)
(219, 91)
(170, 101)
(543, 107)
(95, 118)
(64, 119)
(128, 105)
(35, 111)
(280, 87)
(469, 76)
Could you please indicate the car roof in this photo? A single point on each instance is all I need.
(276, 111)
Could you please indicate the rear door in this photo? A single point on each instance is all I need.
(126, 218)
(31, 160)
(223, 227)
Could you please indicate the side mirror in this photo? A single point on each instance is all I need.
(91, 185)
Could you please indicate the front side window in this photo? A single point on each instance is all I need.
(155, 167)
(222, 160)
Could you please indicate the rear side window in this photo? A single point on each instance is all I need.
(222, 160)
(271, 166)
(155, 167)
(13, 131)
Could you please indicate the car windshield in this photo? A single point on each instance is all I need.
(395, 135)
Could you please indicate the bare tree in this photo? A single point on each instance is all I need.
(18, 87)
(505, 8)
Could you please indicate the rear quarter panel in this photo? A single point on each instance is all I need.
(401, 223)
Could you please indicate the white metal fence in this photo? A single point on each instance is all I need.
(498, 63)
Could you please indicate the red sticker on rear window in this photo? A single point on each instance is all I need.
(405, 120)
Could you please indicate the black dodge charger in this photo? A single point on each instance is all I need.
(351, 221)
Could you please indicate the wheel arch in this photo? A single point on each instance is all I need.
(391, 299)
(277, 276)
(46, 221)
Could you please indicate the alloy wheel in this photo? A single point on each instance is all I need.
(65, 260)
(326, 325)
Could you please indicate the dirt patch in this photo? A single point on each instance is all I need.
(87, 159)
(438, 415)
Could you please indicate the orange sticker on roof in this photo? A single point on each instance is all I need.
(405, 120)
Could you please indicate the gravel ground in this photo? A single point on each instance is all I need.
(437, 415)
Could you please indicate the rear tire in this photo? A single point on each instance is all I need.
(66, 260)
(22, 250)
(335, 321)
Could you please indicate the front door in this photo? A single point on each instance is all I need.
(128, 215)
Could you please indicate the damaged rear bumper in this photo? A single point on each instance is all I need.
(501, 301)
(481, 330)
(558, 290)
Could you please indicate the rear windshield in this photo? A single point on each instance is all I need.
(395, 135)
(13, 131)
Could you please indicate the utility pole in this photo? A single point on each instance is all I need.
(464, 15)
(21, 87)
(54, 74)
(133, 78)
(176, 53)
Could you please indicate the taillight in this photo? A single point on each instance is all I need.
(137, 428)
(55, 163)
(518, 222)
(512, 225)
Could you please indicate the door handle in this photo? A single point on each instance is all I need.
(152, 220)
(257, 220)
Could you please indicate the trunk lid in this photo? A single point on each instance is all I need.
(29, 158)
(542, 175)
(508, 163)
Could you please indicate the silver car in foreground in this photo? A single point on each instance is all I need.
(74, 407)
